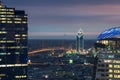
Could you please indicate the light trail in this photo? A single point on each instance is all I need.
(46, 49)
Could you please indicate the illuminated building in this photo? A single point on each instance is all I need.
(80, 41)
(108, 64)
(13, 44)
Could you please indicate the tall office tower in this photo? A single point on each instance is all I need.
(13, 44)
(80, 41)
(108, 64)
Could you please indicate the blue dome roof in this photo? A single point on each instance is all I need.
(110, 33)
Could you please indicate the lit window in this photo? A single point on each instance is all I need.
(24, 22)
(3, 32)
(25, 16)
(17, 35)
(116, 76)
(116, 66)
(17, 19)
(110, 75)
(2, 15)
(11, 9)
(110, 65)
(17, 22)
(2, 18)
(2, 75)
(108, 61)
(116, 61)
(111, 56)
(17, 52)
(2, 53)
(2, 12)
(24, 35)
(110, 70)
(10, 12)
(9, 21)
(3, 21)
(21, 76)
(116, 71)
(2, 9)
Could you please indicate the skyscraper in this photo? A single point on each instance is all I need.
(108, 64)
(13, 44)
(80, 41)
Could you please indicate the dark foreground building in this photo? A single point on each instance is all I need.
(13, 44)
(108, 64)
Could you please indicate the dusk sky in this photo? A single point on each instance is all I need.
(65, 17)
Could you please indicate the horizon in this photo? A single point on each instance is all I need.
(61, 37)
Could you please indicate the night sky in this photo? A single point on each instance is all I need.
(64, 18)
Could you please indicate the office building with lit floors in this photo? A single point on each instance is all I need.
(108, 48)
(13, 44)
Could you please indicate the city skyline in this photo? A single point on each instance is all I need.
(65, 17)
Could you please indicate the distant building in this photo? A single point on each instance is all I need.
(80, 41)
(13, 44)
(108, 64)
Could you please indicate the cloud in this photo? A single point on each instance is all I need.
(81, 13)
(59, 2)
(56, 17)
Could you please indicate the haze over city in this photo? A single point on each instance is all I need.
(65, 17)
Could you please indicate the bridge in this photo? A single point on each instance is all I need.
(47, 49)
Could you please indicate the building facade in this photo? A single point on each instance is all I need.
(108, 64)
(13, 44)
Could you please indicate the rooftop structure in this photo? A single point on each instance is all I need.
(110, 33)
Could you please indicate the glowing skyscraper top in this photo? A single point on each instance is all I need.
(80, 31)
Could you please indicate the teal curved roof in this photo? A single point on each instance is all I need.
(110, 33)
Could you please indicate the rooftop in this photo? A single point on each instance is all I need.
(110, 33)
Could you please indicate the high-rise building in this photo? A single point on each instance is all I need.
(108, 64)
(13, 43)
(80, 41)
